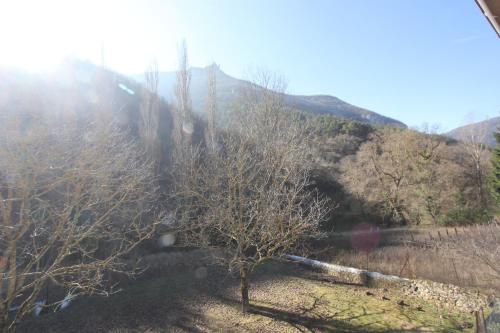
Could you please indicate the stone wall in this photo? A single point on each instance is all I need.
(446, 295)
(350, 274)
(443, 294)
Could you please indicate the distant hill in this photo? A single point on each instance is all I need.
(75, 87)
(228, 91)
(486, 127)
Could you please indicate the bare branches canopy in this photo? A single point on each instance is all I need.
(252, 197)
(73, 202)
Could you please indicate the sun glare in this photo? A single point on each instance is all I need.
(36, 35)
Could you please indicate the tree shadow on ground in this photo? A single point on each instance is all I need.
(163, 302)
(305, 323)
(312, 319)
(172, 301)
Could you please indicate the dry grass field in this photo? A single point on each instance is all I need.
(448, 255)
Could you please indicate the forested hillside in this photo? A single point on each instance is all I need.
(397, 176)
(381, 174)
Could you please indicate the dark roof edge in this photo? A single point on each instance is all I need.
(492, 19)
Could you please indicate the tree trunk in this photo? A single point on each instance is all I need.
(245, 302)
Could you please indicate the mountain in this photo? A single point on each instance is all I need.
(484, 129)
(228, 92)
(75, 88)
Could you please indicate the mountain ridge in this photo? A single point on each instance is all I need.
(484, 129)
(227, 94)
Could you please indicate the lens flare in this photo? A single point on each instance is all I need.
(166, 240)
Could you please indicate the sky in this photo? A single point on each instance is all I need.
(418, 61)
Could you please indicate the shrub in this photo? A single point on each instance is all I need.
(466, 216)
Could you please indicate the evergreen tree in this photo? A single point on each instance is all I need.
(495, 173)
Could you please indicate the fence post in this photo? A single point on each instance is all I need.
(480, 325)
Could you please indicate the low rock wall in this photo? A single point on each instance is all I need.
(446, 295)
(442, 294)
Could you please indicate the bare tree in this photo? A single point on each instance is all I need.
(73, 202)
(472, 140)
(425, 156)
(150, 115)
(251, 198)
(379, 172)
(183, 128)
(403, 174)
(211, 107)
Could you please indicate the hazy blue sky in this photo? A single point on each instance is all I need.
(435, 61)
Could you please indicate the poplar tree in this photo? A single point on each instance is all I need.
(495, 172)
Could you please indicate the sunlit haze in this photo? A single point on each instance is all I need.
(416, 61)
(123, 34)
(249, 166)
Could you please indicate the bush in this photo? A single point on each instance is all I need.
(466, 216)
(332, 126)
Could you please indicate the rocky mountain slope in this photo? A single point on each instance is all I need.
(228, 89)
(484, 129)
